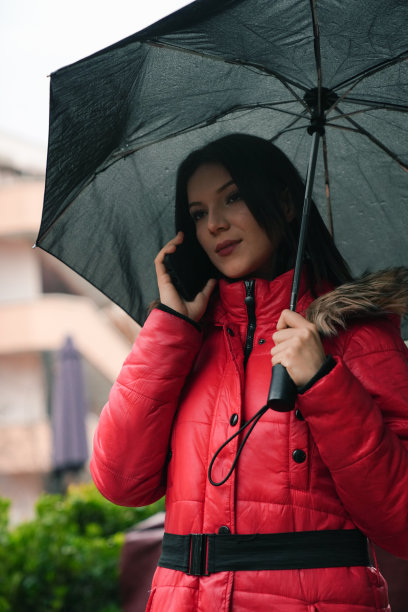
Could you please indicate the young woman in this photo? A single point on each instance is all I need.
(288, 529)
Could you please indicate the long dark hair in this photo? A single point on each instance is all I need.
(262, 173)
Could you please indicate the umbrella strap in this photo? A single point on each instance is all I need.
(252, 422)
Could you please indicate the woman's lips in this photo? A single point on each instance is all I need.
(225, 248)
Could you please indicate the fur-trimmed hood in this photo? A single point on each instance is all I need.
(372, 295)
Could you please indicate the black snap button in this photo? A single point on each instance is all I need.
(234, 419)
(299, 455)
(299, 415)
(261, 341)
(224, 530)
(230, 331)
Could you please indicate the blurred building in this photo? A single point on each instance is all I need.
(42, 303)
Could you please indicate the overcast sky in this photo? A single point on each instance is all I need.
(40, 36)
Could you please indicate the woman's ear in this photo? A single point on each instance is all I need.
(287, 205)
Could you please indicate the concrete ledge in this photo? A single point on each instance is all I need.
(42, 324)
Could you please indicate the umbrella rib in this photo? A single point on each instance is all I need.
(216, 58)
(351, 113)
(204, 123)
(298, 98)
(346, 98)
(247, 65)
(401, 108)
(377, 68)
(360, 112)
(343, 96)
(318, 59)
(289, 128)
(272, 107)
(353, 83)
(272, 104)
(327, 185)
(358, 128)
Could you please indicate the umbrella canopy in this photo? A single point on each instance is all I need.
(69, 440)
(122, 120)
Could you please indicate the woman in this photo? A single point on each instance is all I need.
(313, 483)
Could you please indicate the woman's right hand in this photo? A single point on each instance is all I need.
(169, 296)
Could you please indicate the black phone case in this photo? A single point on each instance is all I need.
(189, 268)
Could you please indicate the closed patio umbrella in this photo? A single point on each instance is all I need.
(68, 418)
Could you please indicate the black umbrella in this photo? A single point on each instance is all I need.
(122, 119)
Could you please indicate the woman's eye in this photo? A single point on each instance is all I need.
(196, 215)
(233, 197)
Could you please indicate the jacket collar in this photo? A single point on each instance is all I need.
(271, 297)
(381, 294)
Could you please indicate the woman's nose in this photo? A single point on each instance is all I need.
(216, 222)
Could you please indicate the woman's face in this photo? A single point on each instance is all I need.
(226, 228)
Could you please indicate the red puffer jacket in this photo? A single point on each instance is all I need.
(178, 391)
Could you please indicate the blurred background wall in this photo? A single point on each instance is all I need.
(42, 304)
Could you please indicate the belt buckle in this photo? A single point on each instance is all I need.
(198, 555)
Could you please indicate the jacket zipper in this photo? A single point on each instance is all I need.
(250, 306)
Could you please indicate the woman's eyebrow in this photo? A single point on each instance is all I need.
(227, 184)
(219, 190)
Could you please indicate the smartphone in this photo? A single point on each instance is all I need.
(189, 268)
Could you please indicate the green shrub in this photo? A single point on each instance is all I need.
(66, 559)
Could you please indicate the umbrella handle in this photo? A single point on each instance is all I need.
(282, 391)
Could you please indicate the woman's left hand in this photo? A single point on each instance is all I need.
(297, 347)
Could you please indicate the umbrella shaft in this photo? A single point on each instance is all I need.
(305, 218)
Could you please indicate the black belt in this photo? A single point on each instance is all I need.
(202, 554)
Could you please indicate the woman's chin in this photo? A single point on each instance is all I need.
(234, 270)
(235, 275)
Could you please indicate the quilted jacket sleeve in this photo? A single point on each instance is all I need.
(358, 418)
(132, 438)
